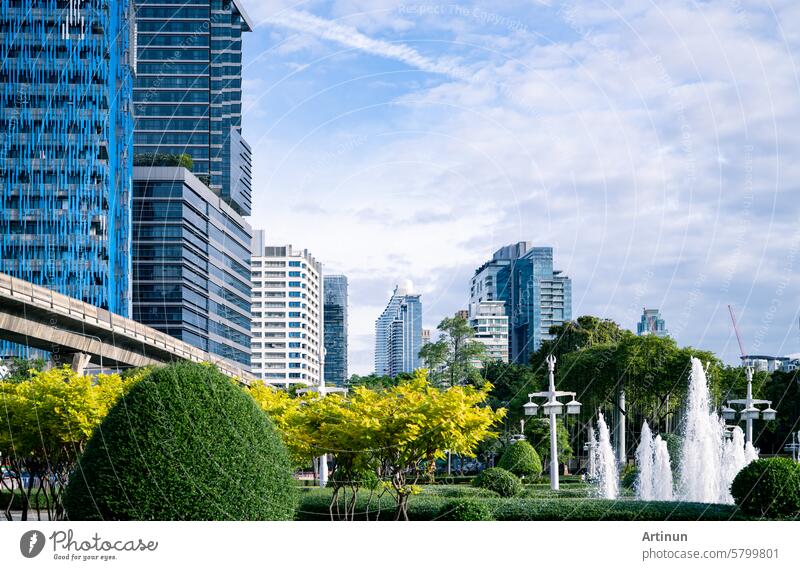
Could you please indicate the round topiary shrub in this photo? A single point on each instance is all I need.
(521, 459)
(185, 443)
(465, 510)
(768, 488)
(497, 479)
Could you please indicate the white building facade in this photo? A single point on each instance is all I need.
(489, 321)
(287, 307)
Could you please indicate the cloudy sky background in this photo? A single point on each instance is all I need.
(655, 146)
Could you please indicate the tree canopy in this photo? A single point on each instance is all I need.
(49, 416)
(396, 433)
(451, 359)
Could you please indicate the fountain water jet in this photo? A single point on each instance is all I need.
(644, 462)
(654, 480)
(662, 471)
(709, 463)
(606, 462)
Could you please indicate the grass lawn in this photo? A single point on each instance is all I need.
(536, 503)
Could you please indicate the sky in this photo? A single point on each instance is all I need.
(654, 145)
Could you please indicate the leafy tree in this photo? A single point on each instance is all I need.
(375, 382)
(783, 388)
(20, 369)
(652, 371)
(584, 332)
(455, 352)
(396, 432)
(537, 432)
(511, 384)
(288, 414)
(49, 417)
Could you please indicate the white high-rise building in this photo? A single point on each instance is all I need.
(287, 331)
(489, 321)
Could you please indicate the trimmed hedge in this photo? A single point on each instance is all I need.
(185, 443)
(497, 479)
(314, 506)
(768, 488)
(465, 510)
(522, 460)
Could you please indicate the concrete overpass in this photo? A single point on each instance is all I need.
(77, 333)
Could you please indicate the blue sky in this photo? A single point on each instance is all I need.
(654, 145)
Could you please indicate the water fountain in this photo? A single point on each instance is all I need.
(644, 461)
(708, 462)
(662, 471)
(605, 462)
(654, 480)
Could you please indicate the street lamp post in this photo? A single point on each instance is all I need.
(553, 408)
(749, 412)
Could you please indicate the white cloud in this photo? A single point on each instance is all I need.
(605, 145)
(349, 36)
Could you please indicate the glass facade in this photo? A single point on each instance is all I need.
(535, 296)
(398, 334)
(335, 329)
(188, 90)
(191, 263)
(65, 162)
(651, 323)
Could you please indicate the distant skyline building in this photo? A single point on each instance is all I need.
(288, 314)
(191, 263)
(334, 292)
(66, 155)
(188, 90)
(535, 295)
(489, 321)
(398, 333)
(426, 336)
(651, 323)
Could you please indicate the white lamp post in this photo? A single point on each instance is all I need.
(552, 407)
(749, 412)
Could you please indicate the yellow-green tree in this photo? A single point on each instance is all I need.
(47, 420)
(395, 434)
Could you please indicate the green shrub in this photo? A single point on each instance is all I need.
(628, 476)
(458, 491)
(768, 488)
(315, 505)
(184, 444)
(522, 460)
(497, 479)
(465, 510)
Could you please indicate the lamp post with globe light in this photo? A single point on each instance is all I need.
(749, 412)
(552, 407)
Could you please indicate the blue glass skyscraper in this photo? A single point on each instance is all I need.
(188, 91)
(651, 323)
(536, 297)
(334, 293)
(66, 161)
(398, 334)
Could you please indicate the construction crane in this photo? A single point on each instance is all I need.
(736, 330)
